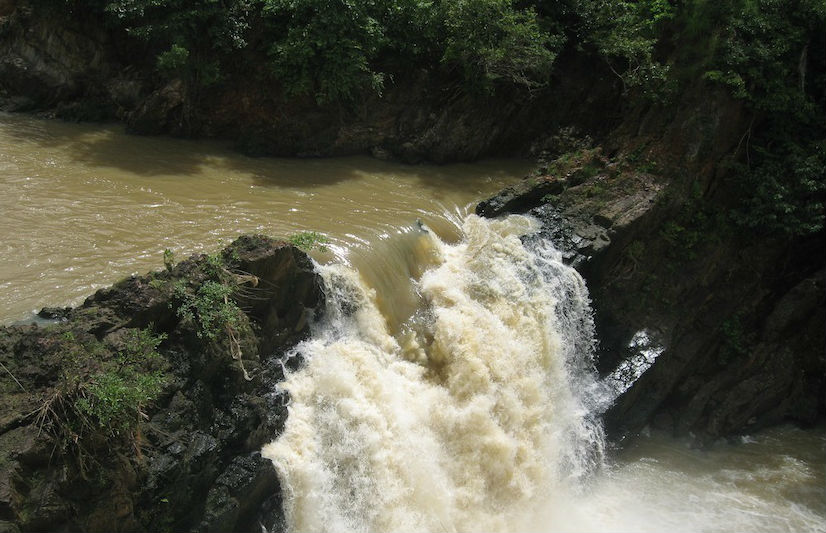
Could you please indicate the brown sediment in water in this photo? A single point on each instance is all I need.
(84, 205)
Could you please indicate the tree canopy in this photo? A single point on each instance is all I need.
(769, 54)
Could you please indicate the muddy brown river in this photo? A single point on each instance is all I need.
(85, 205)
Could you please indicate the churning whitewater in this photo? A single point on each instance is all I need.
(468, 413)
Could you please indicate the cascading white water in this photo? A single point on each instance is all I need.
(470, 417)
(380, 436)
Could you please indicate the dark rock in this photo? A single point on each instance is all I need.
(286, 297)
(161, 111)
(55, 313)
(16, 104)
(8, 527)
(49, 61)
(382, 154)
(194, 463)
(520, 198)
(726, 369)
(741, 320)
(233, 504)
(125, 93)
(580, 226)
(7, 7)
(797, 306)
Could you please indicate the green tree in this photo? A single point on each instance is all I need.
(325, 47)
(773, 58)
(188, 38)
(492, 42)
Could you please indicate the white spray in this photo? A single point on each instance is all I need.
(470, 418)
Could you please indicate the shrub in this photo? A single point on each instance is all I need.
(772, 58)
(625, 35)
(325, 48)
(210, 307)
(492, 42)
(173, 60)
(309, 240)
(784, 190)
(101, 392)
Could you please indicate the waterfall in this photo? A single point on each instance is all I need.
(470, 417)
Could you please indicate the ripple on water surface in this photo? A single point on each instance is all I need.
(84, 205)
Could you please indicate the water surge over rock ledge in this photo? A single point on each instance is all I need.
(472, 404)
(471, 418)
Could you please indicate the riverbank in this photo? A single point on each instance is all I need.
(74, 73)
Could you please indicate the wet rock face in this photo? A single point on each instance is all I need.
(581, 215)
(7, 7)
(161, 111)
(730, 367)
(740, 320)
(42, 64)
(520, 198)
(193, 461)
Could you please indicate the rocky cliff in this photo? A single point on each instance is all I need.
(739, 316)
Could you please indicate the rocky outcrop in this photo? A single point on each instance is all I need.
(191, 463)
(49, 64)
(729, 366)
(585, 202)
(739, 317)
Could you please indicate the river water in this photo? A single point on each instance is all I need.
(449, 388)
(85, 205)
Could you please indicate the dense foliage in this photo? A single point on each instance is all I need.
(773, 56)
(334, 50)
(769, 54)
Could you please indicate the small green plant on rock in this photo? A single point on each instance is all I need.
(212, 308)
(102, 392)
(648, 166)
(157, 283)
(309, 240)
(114, 398)
(597, 189)
(168, 259)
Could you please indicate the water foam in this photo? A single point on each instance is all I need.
(470, 418)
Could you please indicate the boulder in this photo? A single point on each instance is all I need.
(192, 462)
